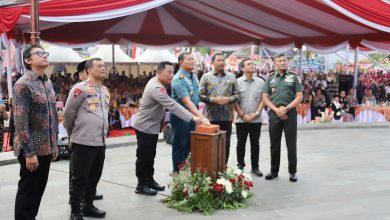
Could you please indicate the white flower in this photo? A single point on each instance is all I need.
(226, 184)
(229, 188)
(244, 194)
(237, 171)
(221, 181)
(247, 177)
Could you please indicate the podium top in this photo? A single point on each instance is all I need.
(207, 129)
(208, 134)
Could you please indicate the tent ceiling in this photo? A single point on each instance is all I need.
(324, 23)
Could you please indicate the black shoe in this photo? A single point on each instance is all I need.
(154, 185)
(271, 175)
(98, 196)
(92, 211)
(240, 167)
(257, 172)
(293, 178)
(142, 189)
(76, 216)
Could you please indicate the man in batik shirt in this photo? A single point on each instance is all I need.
(36, 130)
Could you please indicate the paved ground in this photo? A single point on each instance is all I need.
(343, 174)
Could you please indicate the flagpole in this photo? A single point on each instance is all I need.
(34, 24)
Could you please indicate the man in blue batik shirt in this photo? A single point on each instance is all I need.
(185, 91)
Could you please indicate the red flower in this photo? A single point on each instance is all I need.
(232, 180)
(181, 165)
(240, 179)
(203, 170)
(247, 187)
(185, 193)
(248, 183)
(218, 187)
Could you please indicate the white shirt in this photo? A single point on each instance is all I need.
(387, 88)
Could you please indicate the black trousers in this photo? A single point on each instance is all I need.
(276, 127)
(253, 129)
(225, 126)
(86, 166)
(146, 152)
(31, 187)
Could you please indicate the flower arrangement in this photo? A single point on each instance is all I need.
(198, 191)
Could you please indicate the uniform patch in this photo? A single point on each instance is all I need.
(163, 91)
(77, 92)
(92, 106)
(90, 90)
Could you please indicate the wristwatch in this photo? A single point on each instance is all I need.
(257, 113)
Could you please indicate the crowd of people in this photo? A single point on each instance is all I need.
(322, 91)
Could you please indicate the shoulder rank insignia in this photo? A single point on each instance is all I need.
(191, 93)
(181, 76)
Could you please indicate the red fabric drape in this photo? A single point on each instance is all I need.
(8, 18)
(376, 11)
(72, 7)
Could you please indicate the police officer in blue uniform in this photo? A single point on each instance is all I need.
(282, 93)
(185, 91)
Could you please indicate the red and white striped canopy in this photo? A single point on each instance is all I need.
(319, 24)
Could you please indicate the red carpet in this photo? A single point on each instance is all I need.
(121, 132)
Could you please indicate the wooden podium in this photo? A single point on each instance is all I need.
(208, 151)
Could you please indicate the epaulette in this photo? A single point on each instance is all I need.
(273, 73)
(292, 72)
(181, 76)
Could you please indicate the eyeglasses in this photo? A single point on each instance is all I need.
(40, 54)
